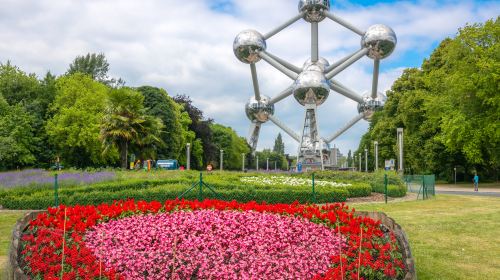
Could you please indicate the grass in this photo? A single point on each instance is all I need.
(7, 221)
(451, 237)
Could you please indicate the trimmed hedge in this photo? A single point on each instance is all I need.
(227, 185)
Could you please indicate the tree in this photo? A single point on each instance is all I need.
(448, 108)
(174, 134)
(77, 112)
(201, 128)
(279, 146)
(226, 139)
(125, 123)
(16, 136)
(94, 65)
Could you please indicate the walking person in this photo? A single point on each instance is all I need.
(476, 182)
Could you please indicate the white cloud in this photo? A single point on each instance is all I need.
(186, 48)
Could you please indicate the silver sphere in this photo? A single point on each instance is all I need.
(314, 9)
(322, 63)
(259, 111)
(311, 87)
(369, 105)
(247, 44)
(381, 40)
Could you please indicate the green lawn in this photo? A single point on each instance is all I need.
(7, 221)
(451, 237)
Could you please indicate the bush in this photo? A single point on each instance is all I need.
(170, 185)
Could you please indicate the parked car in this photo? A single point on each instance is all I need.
(169, 164)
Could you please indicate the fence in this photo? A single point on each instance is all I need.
(423, 185)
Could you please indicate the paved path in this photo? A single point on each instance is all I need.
(451, 189)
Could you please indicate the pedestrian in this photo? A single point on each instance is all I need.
(476, 182)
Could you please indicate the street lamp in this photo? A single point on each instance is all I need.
(400, 148)
(257, 163)
(455, 169)
(376, 155)
(359, 157)
(366, 160)
(243, 162)
(267, 164)
(221, 160)
(188, 156)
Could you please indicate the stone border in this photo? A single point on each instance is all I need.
(390, 225)
(15, 272)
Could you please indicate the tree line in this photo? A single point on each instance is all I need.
(85, 118)
(449, 109)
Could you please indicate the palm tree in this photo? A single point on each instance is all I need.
(125, 122)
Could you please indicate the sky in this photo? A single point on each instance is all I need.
(185, 47)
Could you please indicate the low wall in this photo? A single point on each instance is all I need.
(388, 224)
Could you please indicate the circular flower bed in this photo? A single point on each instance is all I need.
(208, 240)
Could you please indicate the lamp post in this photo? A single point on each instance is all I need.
(242, 161)
(359, 156)
(366, 160)
(267, 164)
(188, 156)
(376, 155)
(400, 148)
(275, 164)
(257, 163)
(455, 169)
(221, 160)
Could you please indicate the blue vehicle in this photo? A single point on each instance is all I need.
(168, 164)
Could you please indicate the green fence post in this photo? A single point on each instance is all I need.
(314, 192)
(200, 194)
(385, 187)
(56, 191)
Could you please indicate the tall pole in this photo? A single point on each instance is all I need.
(275, 165)
(243, 162)
(188, 156)
(366, 160)
(455, 169)
(221, 160)
(376, 155)
(400, 148)
(359, 157)
(257, 163)
(267, 164)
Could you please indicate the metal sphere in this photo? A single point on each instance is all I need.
(259, 111)
(381, 40)
(369, 105)
(314, 9)
(311, 87)
(322, 63)
(247, 44)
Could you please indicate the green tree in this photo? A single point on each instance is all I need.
(77, 112)
(202, 129)
(125, 123)
(16, 136)
(94, 65)
(279, 146)
(174, 134)
(225, 138)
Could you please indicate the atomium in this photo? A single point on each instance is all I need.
(259, 110)
(312, 83)
(313, 9)
(247, 45)
(371, 105)
(380, 39)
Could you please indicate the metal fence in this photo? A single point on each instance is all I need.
(423, 185)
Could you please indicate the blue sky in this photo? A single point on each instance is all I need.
(186, 48)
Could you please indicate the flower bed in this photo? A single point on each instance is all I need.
(289, 181)
(209, 239)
